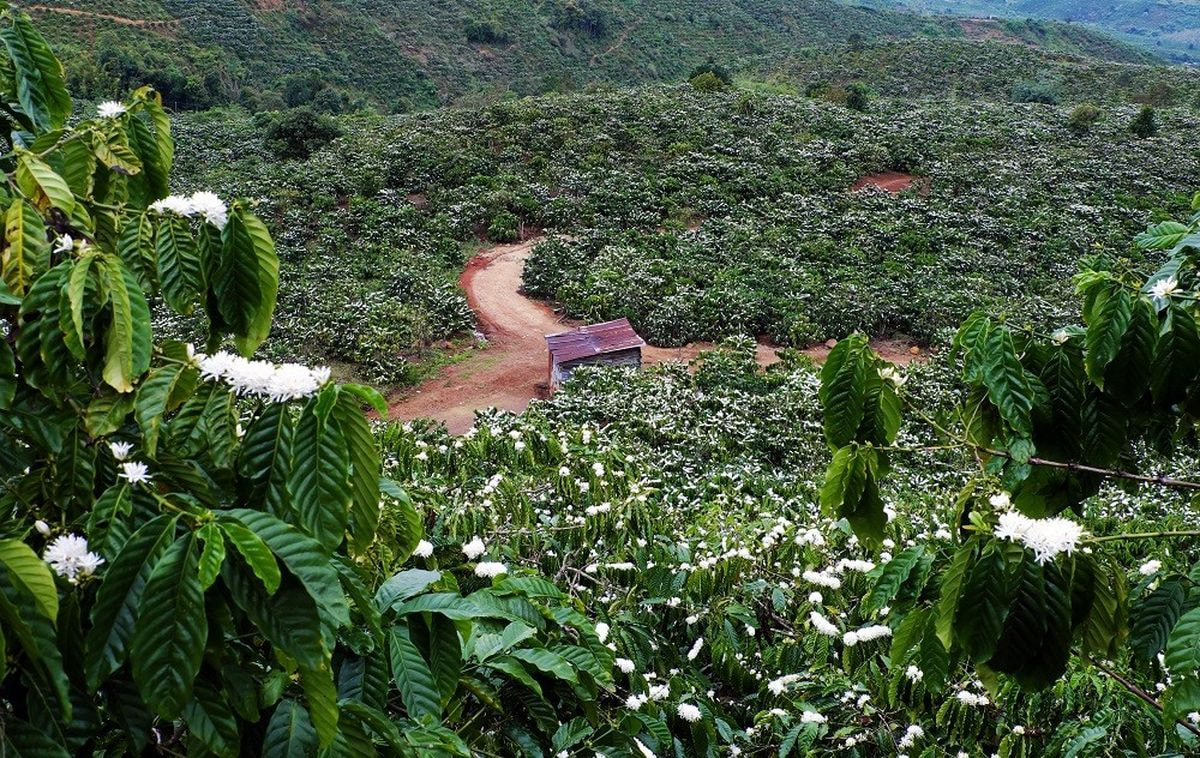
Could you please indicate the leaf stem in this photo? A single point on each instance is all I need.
(1143, 536)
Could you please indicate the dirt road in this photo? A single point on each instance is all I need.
(511, 369)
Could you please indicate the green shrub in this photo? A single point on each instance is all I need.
(1145, 123)
(1035, 92)
(858, 97)
(1083, 117)
(300, 132)
(707, 82)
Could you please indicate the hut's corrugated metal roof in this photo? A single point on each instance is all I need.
(593, 339)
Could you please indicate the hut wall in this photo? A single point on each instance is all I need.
(631, 358)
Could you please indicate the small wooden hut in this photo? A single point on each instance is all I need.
(613, 343)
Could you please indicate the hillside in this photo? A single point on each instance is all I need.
(1169, 27)
(991, 70)
(404, 55)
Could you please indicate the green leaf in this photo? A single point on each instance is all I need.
(410, 527)
(1183, 645)
(30, 574)
(213, 554)
(1162, 236)
(303, 557)
(895, 572)
(246, 281)
(21, 618)
(1152, 617)
(42, 184)
(266, 457)
(210, 720)
(290, 733)
(404, 585)
(257, 555)
(843, 390)
(289, 618)
(1182, 698)
(414, 680)
(127, 342)
(115, 612)
(548, 663)
(1112, 311)
(41, 88)
(449, 604)
(321, 694)
(178, 263)
(27, 253)
(1008, 385)
(1177, 359)
(159, 394)
(171, 630)
(319, 479)
(363, 455)
(445, 656)
(1128, 375)
(983, 605)
(1104, 628)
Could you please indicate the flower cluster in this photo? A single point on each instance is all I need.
(263, 379)
(70, 558)
(205, 205)
(1047, 538)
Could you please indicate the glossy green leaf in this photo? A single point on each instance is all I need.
(115, 611)
(414, 680)
(290, 733)
(171, 630)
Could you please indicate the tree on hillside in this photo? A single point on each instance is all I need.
(1083, 118)
(1145, 123)
(300, 132)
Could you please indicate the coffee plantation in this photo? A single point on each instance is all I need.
(211, 547)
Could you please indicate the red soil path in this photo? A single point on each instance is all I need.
(891, 181)
(138, 22)
(511, 369)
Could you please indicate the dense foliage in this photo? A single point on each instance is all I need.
(373, 231)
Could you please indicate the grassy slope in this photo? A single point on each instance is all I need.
(410, 53)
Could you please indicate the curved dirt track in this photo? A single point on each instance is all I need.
(511, 369)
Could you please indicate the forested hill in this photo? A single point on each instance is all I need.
(1169, 27)
(403, 54)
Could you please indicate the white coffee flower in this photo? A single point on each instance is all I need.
(211, 208)
(135, 472)
(1164, 288)
(1149, 568)
(69, 556)
(812, 717)
(602, 630)
(489, 569)
(120, 450)
(624, 664)
(1047, 538)
(689, 712)
(110, 109)
(474, 548)
(424, 549)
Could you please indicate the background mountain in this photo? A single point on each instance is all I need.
(405, 54)
(1169, 27)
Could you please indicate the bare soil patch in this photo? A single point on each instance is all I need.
(889, 181)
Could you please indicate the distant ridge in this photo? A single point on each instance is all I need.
(400, 55)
